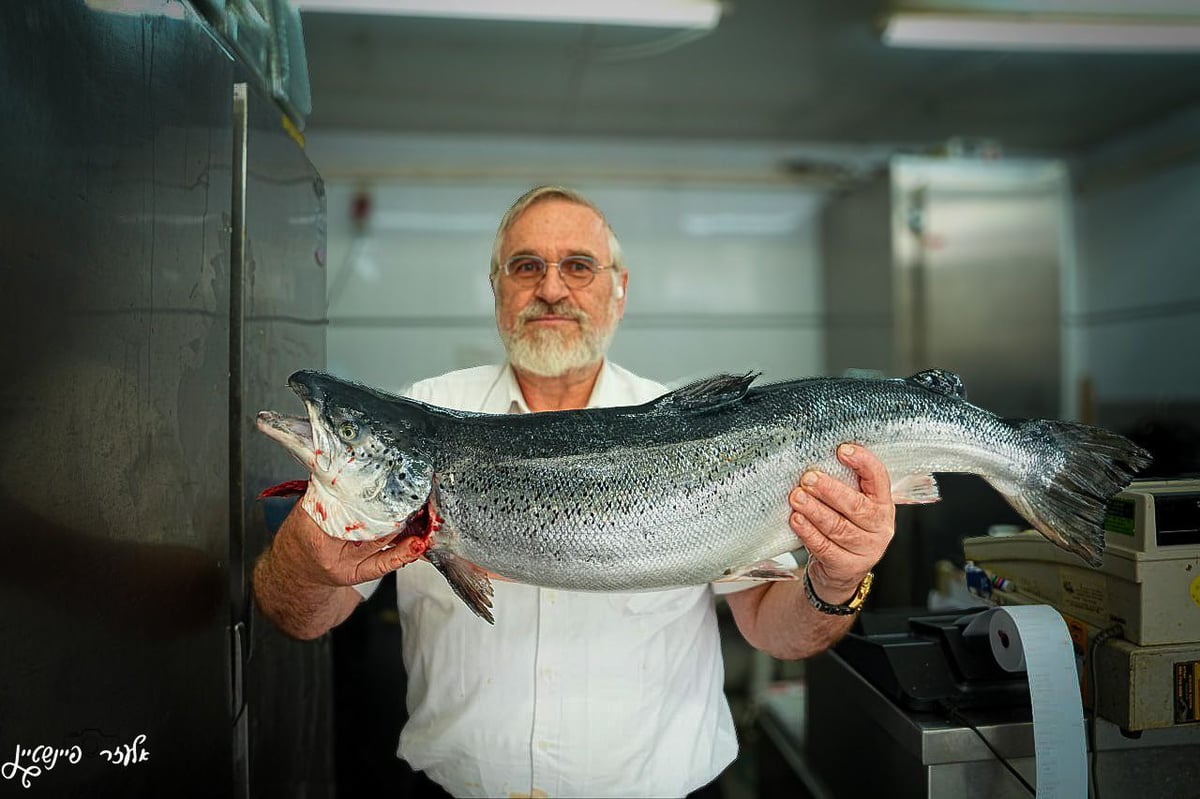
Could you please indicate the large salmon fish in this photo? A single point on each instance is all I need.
(688, 488)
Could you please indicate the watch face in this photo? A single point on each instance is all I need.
(864, 588)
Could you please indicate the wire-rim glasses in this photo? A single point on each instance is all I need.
(575, 271)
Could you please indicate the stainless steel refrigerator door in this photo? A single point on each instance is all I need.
(114, 467)
(978, 250)
(953, 264)
(288, 684)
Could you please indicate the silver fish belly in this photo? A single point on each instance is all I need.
(629, 519)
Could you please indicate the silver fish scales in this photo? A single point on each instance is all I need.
(686, 489)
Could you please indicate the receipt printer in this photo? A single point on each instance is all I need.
(923, 661)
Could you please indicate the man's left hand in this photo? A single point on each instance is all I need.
(844, 530)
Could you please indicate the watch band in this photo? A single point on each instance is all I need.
(850, 607)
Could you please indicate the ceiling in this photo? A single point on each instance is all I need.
(774, 70)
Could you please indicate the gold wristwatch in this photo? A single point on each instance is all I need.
(854, 605)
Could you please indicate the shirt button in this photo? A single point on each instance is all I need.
(544, 745)
(551, 597)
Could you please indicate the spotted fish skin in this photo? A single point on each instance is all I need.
(693, 485)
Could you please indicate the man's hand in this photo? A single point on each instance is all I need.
(314, 556)
(303, 582)
(844, 530)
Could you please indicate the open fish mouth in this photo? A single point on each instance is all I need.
(295, 433)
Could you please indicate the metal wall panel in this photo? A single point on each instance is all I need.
(114, 302)
(859, 297)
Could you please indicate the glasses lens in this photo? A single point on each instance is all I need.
(577, 271)
(525, 268)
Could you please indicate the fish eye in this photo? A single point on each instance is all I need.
(348, 431)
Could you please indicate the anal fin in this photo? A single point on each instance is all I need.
(470, 582)
(763, 570)
(915, 489)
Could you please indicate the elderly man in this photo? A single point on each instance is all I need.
(576, 694)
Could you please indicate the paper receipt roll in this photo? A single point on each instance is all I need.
(1034, 638)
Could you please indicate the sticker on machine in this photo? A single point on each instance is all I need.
(1078, 630)
(1083, 592)
(1187, 692)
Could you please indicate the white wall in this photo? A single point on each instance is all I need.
(722, 252)
(724, 256)
(1138, 227)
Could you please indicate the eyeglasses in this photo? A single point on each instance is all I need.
(576, 271)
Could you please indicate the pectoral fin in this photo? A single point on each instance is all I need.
(470, 582)
(763, 570)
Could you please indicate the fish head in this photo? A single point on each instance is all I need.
(367, 473)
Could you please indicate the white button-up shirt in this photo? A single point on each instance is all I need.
(571, 693)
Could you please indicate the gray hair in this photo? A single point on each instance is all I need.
(549, 192)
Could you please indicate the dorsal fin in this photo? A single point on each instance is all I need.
(939, 381)
(711, 392)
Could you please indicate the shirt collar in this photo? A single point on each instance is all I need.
(516, 400)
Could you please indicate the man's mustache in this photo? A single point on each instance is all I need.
(539, 308)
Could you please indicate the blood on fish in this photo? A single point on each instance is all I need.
(290, 488)
(355, 526)
(321, 510)
(421, 524)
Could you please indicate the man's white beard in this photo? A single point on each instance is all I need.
(552, 352)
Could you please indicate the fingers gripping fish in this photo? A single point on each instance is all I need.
(686, 489)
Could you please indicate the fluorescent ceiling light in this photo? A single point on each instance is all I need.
(701, 14)
(1080, 34)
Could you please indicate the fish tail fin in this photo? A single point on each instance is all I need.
(1069, 507)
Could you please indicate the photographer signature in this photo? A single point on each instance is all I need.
(30, 762)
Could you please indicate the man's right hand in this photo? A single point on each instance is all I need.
(303, 582)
